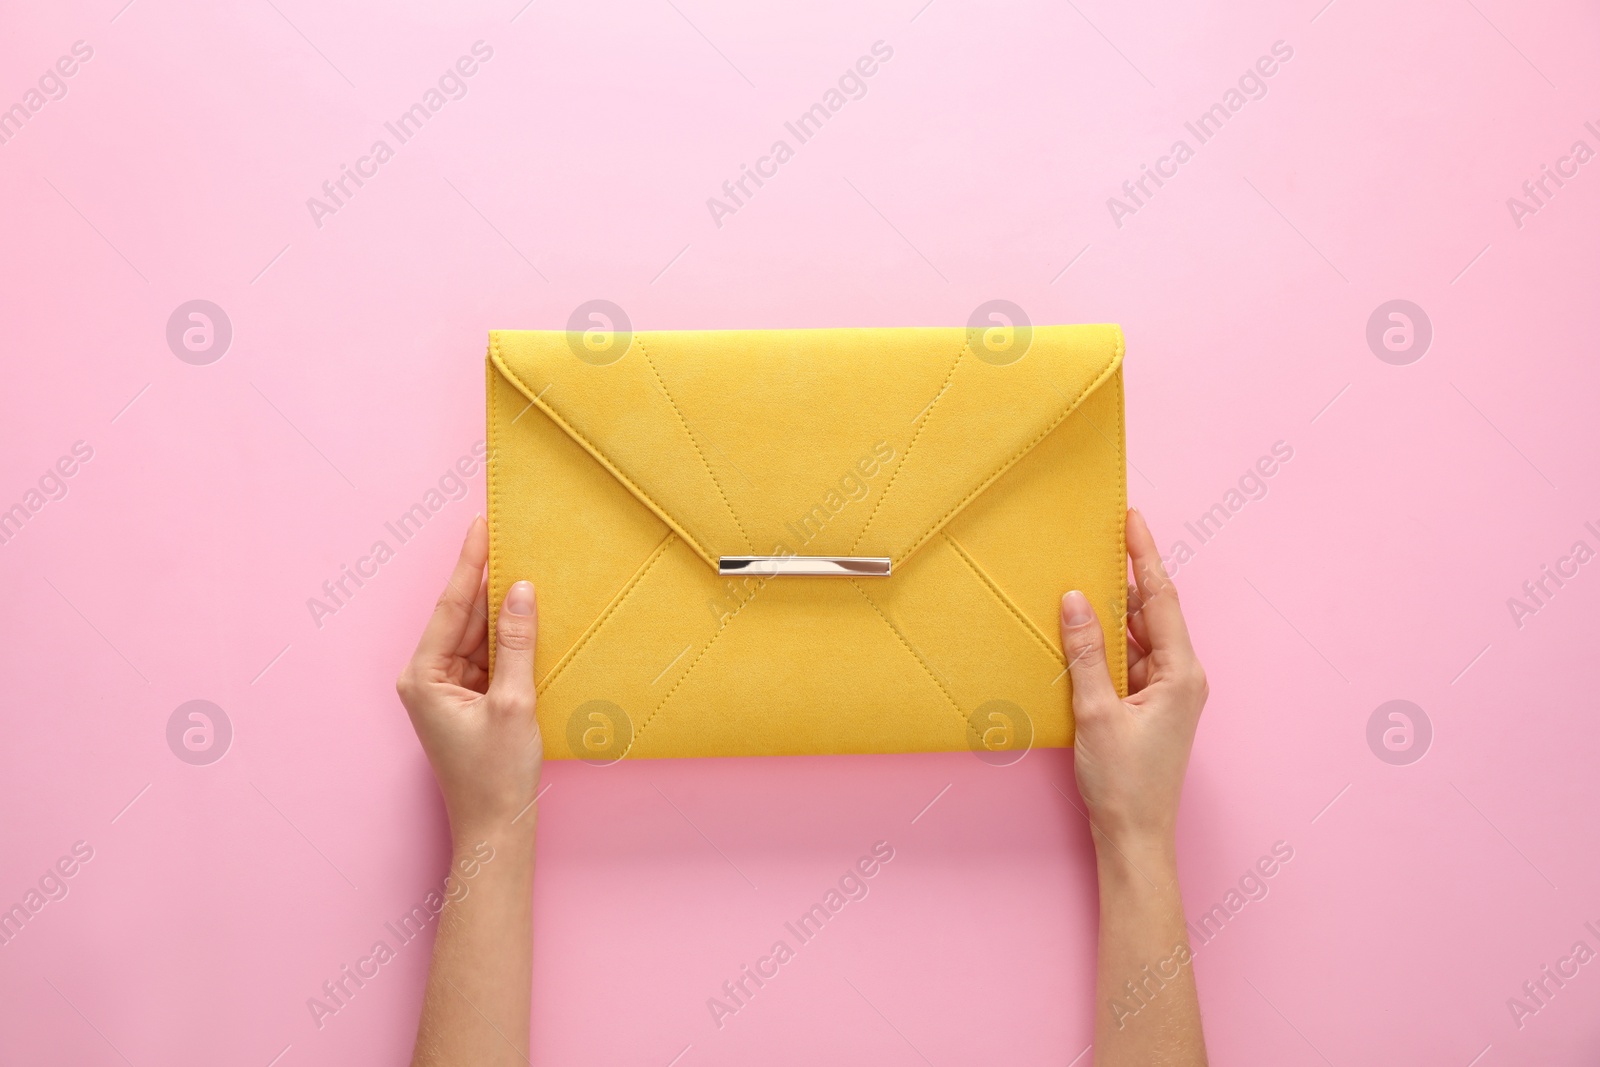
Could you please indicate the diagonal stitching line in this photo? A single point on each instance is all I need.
(1110, 370)
(1111, 444)
(498, 358)
(700, 657)
(695, 444)
(926, 418)
(1122, 531)
(1006, 601)
(956, 706)
(616, 602)
(491, 481)
(684, 677)
(1120, 564)
(666, 517)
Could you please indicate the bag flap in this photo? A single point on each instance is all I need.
(851, 442)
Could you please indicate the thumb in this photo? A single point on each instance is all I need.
(1085, 646)
(516, 629)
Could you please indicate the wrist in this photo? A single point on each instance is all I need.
(488, 863)
(1148, 858)
(511, 836)
(1149, 829)
(499, 814)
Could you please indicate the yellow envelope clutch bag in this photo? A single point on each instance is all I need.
(764, 542)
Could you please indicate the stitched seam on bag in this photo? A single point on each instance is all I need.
(684, 677)
(1006, 601)
(616, 602)
(1120, 565)
(933, 528)
(954, 704)
(600, 457)
(492, 482)
(749, 544)
(928, 417)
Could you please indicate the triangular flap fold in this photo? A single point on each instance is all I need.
(810, 442)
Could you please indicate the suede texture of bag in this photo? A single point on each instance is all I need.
(987, 465)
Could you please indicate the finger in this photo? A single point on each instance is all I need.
(1160, 614)
(452, 613)
(1136, 627)
(474, 677)
(477, 641)
(1136, 653)
(477, 622)
(1138, 678)
(516, 629)
(1138, 641)
(1085, 645)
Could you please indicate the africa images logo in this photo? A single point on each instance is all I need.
(199, 732)
(199, 332)
(599, 733)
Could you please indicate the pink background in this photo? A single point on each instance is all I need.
(977, 166)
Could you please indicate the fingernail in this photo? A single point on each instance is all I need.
(519, 601)
(1075, 607)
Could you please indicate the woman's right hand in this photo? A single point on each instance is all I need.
(1131, 754)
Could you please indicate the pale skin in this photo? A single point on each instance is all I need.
(483, 742)
(1130, 756)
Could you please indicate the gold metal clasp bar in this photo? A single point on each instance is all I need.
(810, 566)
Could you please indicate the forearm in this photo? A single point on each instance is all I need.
(477, 1006)
(1146, 1011)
